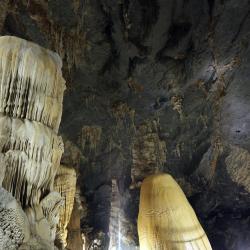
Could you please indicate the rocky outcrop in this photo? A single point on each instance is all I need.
(166, 219)
(31, 94)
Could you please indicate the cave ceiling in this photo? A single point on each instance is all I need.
(152, 86)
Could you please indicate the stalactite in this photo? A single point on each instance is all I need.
(33, 156)
(31, 82)
(31, 92)
(166, 219)
(148, 152)
(91, 136)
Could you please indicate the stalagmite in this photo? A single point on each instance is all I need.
(166, 219)
(74, 237)
(31, 95)
(65, 184)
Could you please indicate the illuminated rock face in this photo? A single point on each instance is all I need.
(166, 220)
(31, 94)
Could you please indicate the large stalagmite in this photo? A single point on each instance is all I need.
(31, 94)
(65, 184)
(166, 220)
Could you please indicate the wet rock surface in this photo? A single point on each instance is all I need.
(183, 65)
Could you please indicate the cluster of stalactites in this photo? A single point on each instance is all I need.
(31, 155)
(166, 219)
(31, 95)
(31, 82)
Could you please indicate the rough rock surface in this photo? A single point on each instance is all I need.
(183, 65)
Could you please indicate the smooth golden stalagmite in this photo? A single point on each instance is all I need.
(166, 219)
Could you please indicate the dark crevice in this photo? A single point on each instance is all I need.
(240, 27)
(211, 7)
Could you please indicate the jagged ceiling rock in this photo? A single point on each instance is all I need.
(184, 64)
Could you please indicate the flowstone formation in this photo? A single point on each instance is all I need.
(166, 219)
(31, 94)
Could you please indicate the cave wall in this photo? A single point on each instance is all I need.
(152, 86)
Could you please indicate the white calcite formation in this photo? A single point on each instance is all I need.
(14, 226)
(31, 95)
